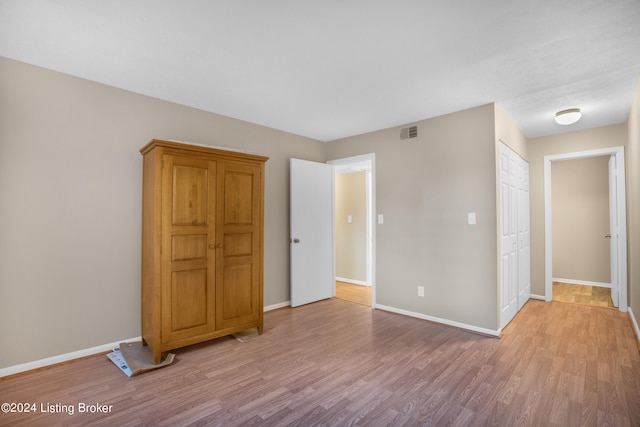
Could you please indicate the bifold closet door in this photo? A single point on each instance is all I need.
(514, 234)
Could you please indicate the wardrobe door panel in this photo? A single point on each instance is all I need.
(188, 223)
(239, 229)
(239, 197)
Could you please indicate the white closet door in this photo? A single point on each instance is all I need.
(515, 283)
(524, 234)
(508, 241)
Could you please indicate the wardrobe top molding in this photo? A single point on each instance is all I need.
(202, 149)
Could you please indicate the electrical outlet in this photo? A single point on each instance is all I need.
(420, 291)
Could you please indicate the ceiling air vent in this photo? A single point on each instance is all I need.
(410, 132)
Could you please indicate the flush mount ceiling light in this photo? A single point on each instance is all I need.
(568, 117)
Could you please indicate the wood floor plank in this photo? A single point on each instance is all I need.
(582, 294)
(339, 363)
(355, 293)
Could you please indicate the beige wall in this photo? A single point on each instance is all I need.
(70, 183)
(633, 204)
(580, 218)
(351, 237)
(425, 188)
(508, 132)
(590, 139)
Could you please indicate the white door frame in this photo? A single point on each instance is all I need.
(368, 162)
(618, 154)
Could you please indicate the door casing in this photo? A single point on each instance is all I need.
(620, 265)
(366, 162)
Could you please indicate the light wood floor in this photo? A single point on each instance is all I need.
(338, 363)
(582, 294)
(354, 293)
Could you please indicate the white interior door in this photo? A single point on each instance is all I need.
(508, 238)
(524, 234)
(515, 234)
(312, 276)
(613, 230)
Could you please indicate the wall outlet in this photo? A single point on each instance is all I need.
(420, 291)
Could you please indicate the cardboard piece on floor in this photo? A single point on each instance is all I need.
(246, 335)
(134, 358)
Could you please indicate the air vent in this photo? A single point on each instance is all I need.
(410, 132)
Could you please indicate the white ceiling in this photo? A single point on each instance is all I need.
(335, 68)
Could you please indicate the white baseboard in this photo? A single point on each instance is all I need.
(11, 370)
(352, 281)
(583, 282)
(635, 324)
(278, 305)
(484, 331)
(29, 366)
(23, 367)
(540, 297)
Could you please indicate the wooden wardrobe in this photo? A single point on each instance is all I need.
(202, 244)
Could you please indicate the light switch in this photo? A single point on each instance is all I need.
(349, 219)
(380, 219)
(471, 218)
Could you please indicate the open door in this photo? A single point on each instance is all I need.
(311, 239)
(613, 230)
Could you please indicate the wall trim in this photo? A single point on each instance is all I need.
(635, 326)
(48, 361)
(618, 154)
(540, 297)
(582, 282)
(276, 306)
(352, 281)
(66, 357)
(484, 331)
(369, 161)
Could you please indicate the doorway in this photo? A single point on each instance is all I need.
(617, 230)
(354, 228)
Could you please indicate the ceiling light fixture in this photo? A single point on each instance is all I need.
(568, 117)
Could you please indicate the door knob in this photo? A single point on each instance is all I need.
(296, 240)
(607, 236)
